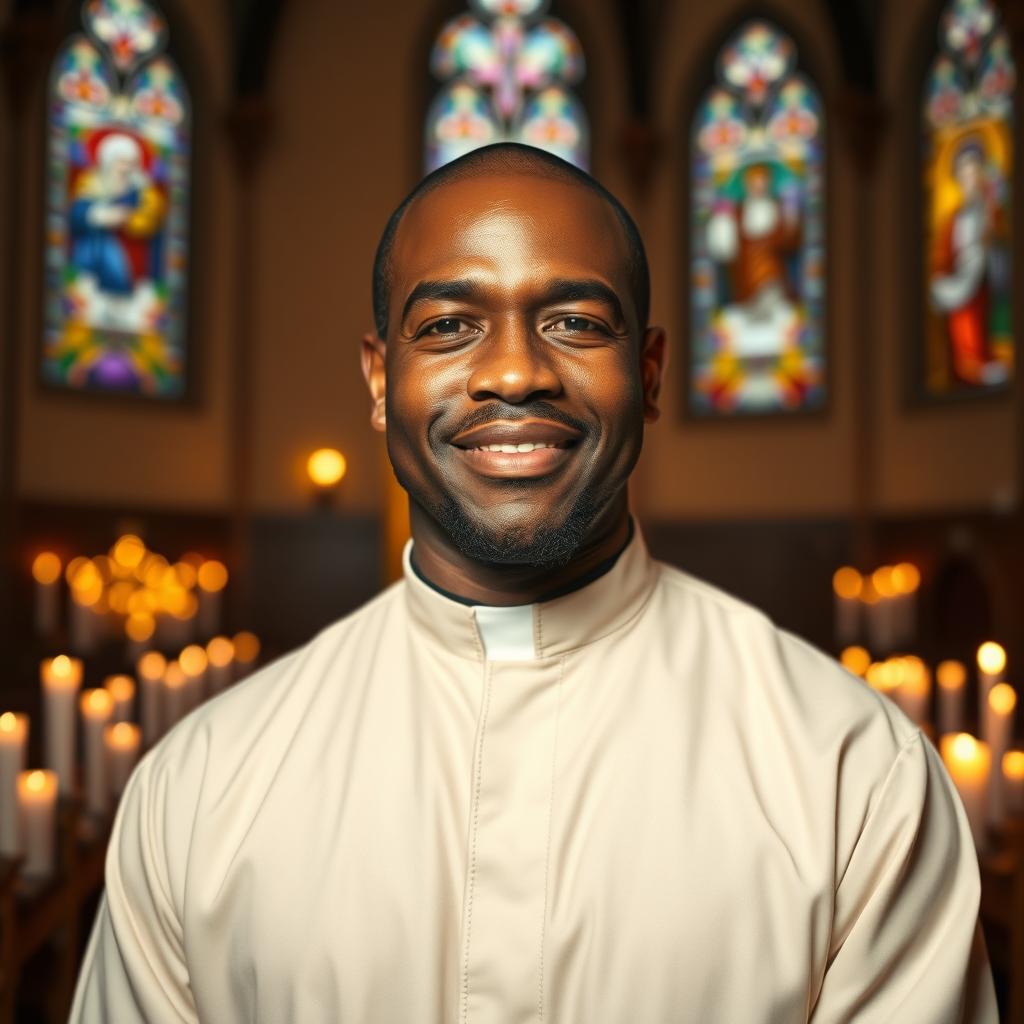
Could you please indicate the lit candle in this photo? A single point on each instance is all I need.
(85, 625)
(951, 677)
(97, 707)
(123, 741)
(247, 650)
(969, 763)
(37, 820)
(220, 653)
(856, 660)
(193, 662)
(175, 694)
(46, 571)
(997, 731)
(150, 671)
(61, 678)
(991, 665)
(139, 627)
(212, 578)
(915, 690)
(846, 585)
(13, 741)
(881, 613)
(1013, 782)
(122, 691)
(906, 579)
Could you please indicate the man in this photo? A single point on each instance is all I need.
(544, 778)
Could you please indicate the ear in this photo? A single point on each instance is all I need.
(653, 358)
(374, 373)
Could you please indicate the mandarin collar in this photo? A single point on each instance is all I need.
(559, 625)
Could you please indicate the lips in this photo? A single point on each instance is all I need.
(516, 449)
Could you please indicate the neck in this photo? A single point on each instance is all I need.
(440, 562)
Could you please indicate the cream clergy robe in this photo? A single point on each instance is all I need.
(639, 803)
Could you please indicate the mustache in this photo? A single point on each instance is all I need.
(512, 413)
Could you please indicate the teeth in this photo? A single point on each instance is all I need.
(514, 449)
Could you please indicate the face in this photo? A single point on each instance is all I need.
(515, 379)
(968, 174)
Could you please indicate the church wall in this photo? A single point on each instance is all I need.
(762, 467)
(88, 450)
(945, 456)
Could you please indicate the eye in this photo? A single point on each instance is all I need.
(447, 326)
(576, 325)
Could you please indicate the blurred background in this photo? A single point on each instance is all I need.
(192, 192)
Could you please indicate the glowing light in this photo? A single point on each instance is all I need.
(213, 576)
(1013, 764)
(139, 626)
(97, 702)
(151, 665)
(36, 781)
(882, 580)
(193, 660)
(123, 735)
(121, 688)
(247, 646)
(73, 567)
(62, 667)
(46, 567)
(991, 658)
(963, 747)
(128, 551)
(174, 675)
(220, 651)
(951, 675)
(1002, 699)
(326, 467)
(855, 660)
(185, 574)
(847, 582)
(8, 722)
(906, 578)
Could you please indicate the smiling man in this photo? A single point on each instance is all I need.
(544, 778)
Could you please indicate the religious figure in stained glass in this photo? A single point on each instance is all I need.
(757, 314)
(507, 70)
(968, 167)
(117, 219)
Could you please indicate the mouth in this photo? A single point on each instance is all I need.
(521, 449)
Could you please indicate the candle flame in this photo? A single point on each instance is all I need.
(8, 722)
(220, 650)
(46, 567)
(152, 665)
(951, 675)
(847, 582)
(212, 576)
(964, 747)
(123, 735)
(906, 578)
(98, 701)
(882, 580)
(1013, 764)
(991, 658)
(855, 660)
(326, 467)
(121, 688)
(1002, 698)
(36, 781)
(193, 660)
(247, 646)
(128, 551)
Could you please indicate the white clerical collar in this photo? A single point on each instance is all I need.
(507, 633)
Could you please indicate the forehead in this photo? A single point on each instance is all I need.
(510, 227)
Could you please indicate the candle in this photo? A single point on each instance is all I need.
(220, 653)
(951, 677)
(37, 820)
(85, 625)
(906, 579)
(13, 741)
(175, 694)
(915, 690)
(61, 678)
(997, 731)
(969, 763)
(247, 650)
(846, 585)
(991, 664)
(881, 613)
(122, 691)
(150, 671)
(97, 707)
(46, 571)
(856, 660)
(139, 627)
(212, 578)
(1013, 782)
(123, 741)
(193, 662)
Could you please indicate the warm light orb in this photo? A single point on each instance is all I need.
(220, 651)
(185, 573)
(991, 658)
(36, 781)
(8, 722)
(247, 647)
(128, 550)
(62, 667)
(906, 577)
(326, 467)
(869, 594)
(124, 735)
(139, 626)
(883, 582)
(855, 660)
(951, 675)
(46, 567)
(212, 576)
(97, 702)
(963, 747)
(1002, 699)
(193, 660)
(121, 688)
(1013, 764)
(847, 582)
(174, 675)
(151, 665)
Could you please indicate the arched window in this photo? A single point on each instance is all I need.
(967, 123)
(117, 207)
(757, 233)
(507, 71)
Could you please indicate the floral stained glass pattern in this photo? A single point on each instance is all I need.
(508, 71)
(757, 205)
(117, 208)
(967, 119)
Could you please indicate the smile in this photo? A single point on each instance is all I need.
(516, 449)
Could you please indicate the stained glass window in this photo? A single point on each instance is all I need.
(757, 233)
(507, 71)
(967, 123)
(117, 207)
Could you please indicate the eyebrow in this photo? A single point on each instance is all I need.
(460, 290)
(573, 290)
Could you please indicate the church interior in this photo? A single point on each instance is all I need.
(192, 194)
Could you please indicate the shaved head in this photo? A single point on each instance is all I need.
(503, 159)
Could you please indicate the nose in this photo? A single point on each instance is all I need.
(512, 365)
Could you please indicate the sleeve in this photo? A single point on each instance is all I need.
(134, 971)
(906, 944)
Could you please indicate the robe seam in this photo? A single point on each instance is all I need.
(474, 825)
(547, 845)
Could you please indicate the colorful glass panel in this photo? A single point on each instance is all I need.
(117, 209)
(967, 122)
(507, 71)
(757, 268)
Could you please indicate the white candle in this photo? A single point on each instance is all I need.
(123, 741)
(46, 571)
(13, 742)
(193, 662)
(906, 579)
(969, 763)
(247, 650)
(220, 654)
(37, 818)
(997, 732)
(212, 578)
(122, 691)
(951, 677)
(1013, 782)
(97, 707)
(991, 665)
(175, 694)
(61, 679)
(881, 610)
(150, 671)
(847, 584)
(915, 690)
